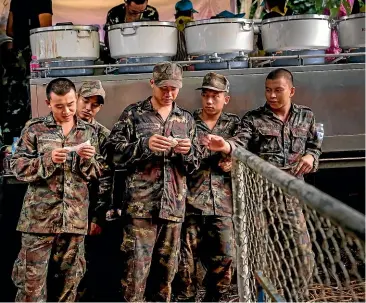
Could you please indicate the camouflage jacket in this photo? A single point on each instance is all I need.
(100, 191)
(209, 188)
(156, 182)
(281, 143)
(57, 197)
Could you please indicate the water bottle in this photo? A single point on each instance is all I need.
(14, 145)
(34, 64)
(319, 127)
(46, 72)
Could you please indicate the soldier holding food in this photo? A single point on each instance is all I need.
(155, 141)
(208, 231)
(58, 156)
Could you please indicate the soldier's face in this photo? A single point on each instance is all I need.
(279, 92)
(136, 9)
(87, 108)
(213, 102)
(63, 107)
(165, 95)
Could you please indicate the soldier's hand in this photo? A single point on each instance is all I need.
(226, 164)
(86, 152)
(95, 229)
(159, 143)
(305, 165)
(59, 155)
(217, 143)
(183, 147)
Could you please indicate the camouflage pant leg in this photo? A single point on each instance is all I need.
(89, 285)
(67, 267)
(186, 282)
(217, 253)
(209, 239)
(149, 246)
(31, 266)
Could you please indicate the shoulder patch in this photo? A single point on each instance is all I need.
(253, 112)
(233, 116)
(303, 107)
(133, 106)
(90, 126)
(185, 111)
(35, 121)
(103, 130)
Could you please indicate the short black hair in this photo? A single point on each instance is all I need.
(60, 87)
(136, 1)
(279, 73)
(281, 4)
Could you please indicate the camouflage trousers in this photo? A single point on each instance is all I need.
(89, 285)
(58, 256)
(150, 251)
(288, 237)
(210, 240)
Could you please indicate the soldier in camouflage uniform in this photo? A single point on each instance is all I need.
(54, 216)
(91, 96)
(156, 141)
(130, 11)
(207, 232)
(284, 134)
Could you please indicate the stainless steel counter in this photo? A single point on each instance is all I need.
(336, 93)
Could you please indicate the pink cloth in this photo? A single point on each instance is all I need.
(334, 42)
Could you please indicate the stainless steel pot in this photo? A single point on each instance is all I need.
(143, 39)
(352, 31)
(219, 36)
(300, 32)
(69, 42)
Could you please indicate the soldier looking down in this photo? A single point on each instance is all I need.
(155, 141)
(208, 231)
(54, 215)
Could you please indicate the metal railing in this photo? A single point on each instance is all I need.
(300, 58)
(296, 242)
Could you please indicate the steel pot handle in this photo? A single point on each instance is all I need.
(333, 23)
(257, 29)
(128, 31)
(83, 34)
(246, 27)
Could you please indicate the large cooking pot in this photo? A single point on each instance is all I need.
(300, 32)
(352, 31)
(221, 35)
(143, 39)
(65, 42)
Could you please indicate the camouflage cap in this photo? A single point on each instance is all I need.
(215, 82)
(168, 74)
(92, 88)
